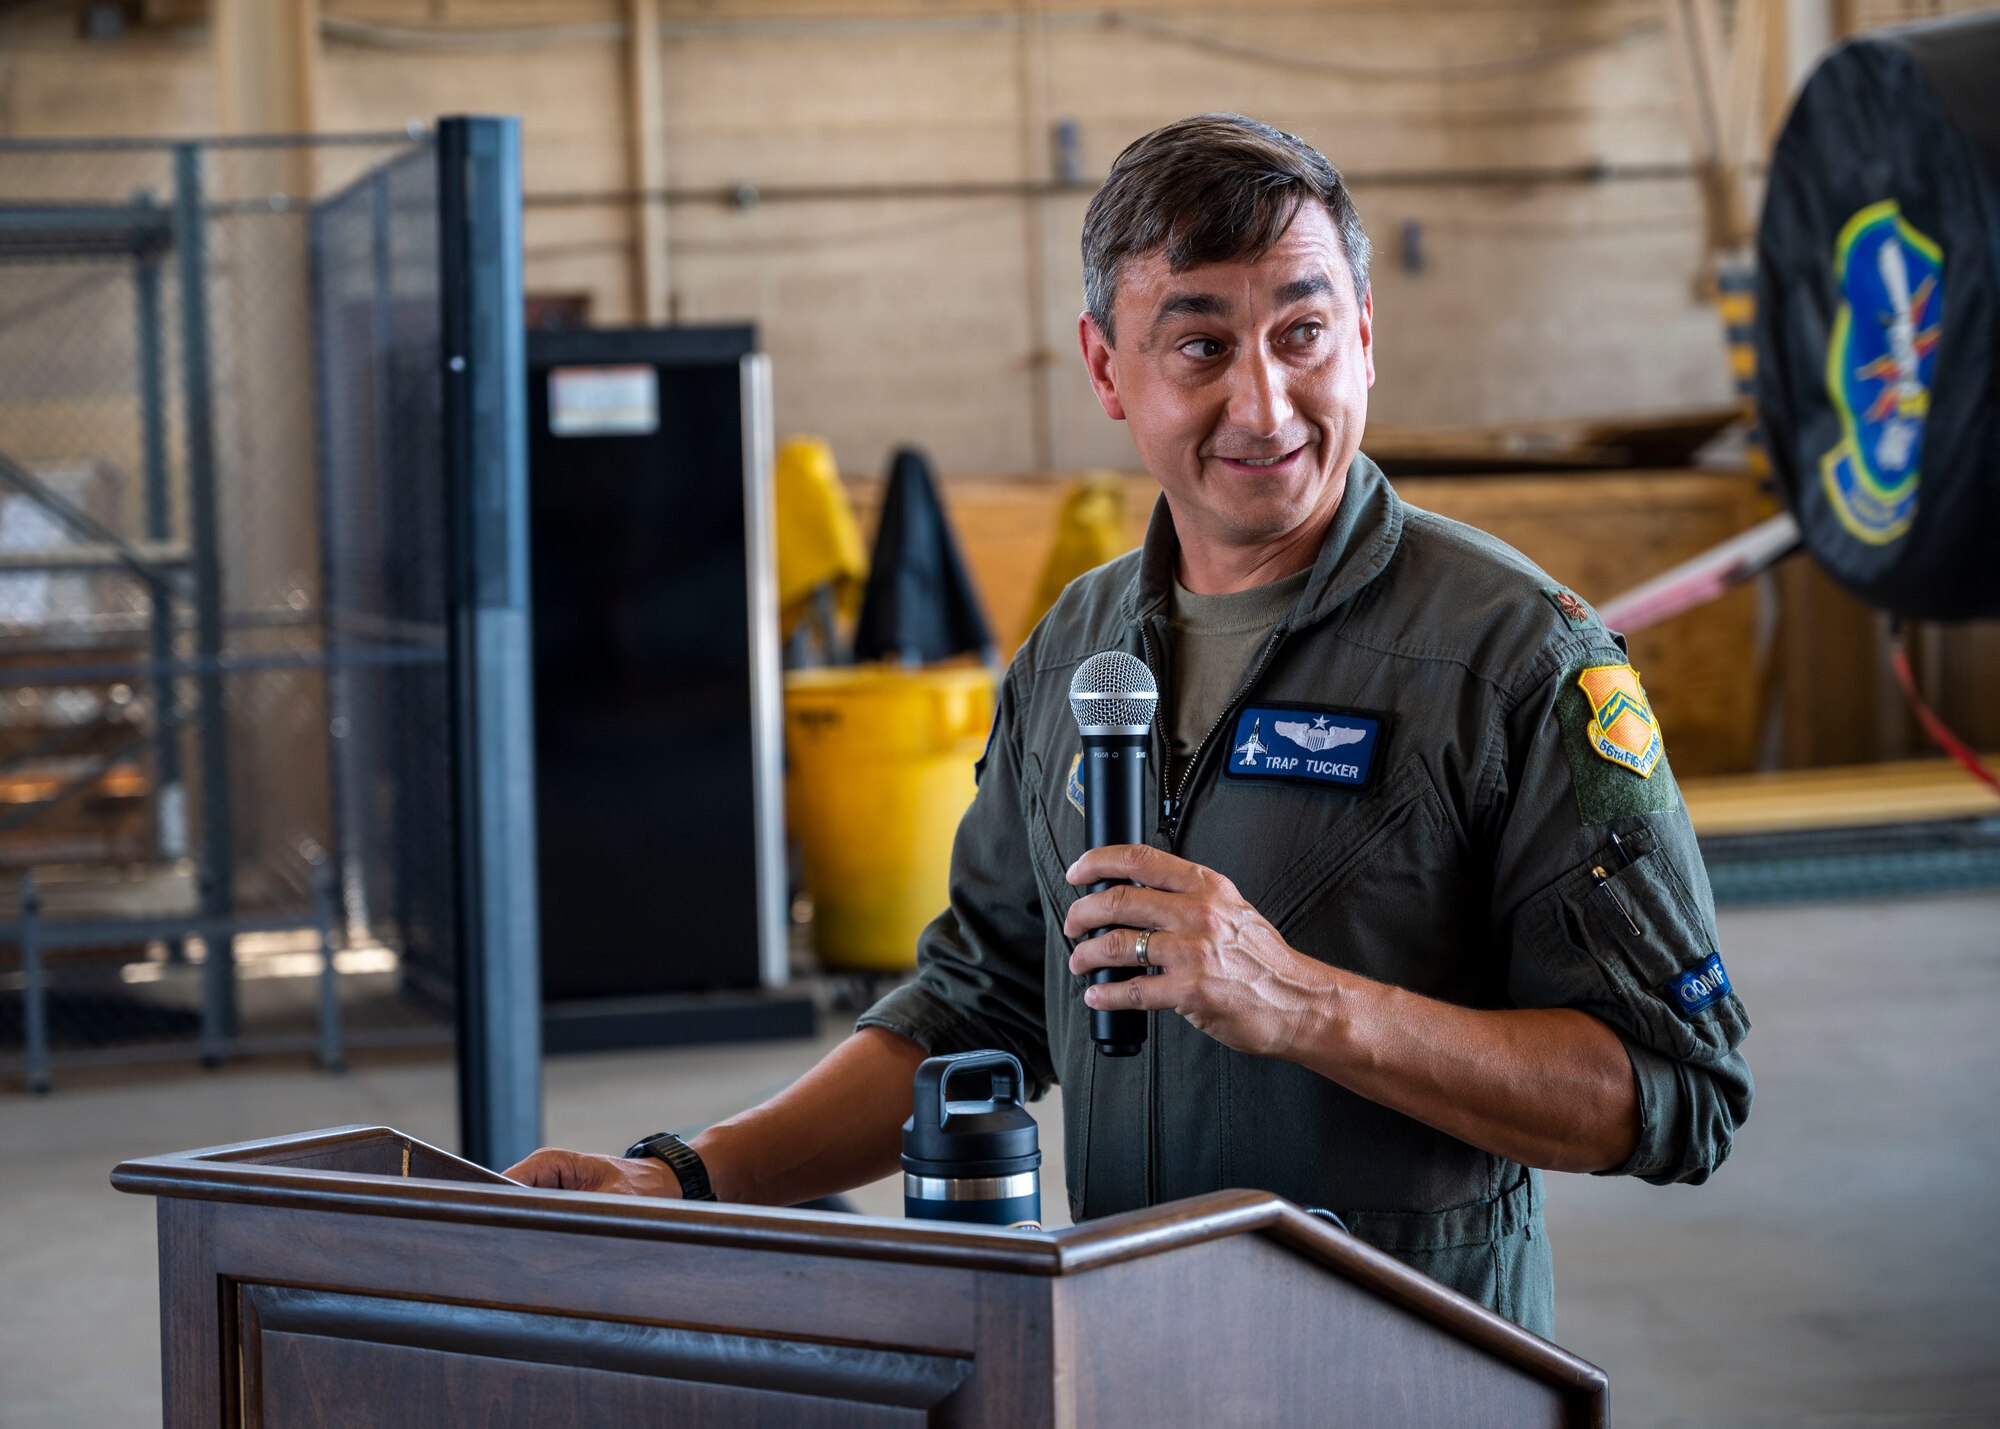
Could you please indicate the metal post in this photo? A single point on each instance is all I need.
(344, 828)
(486, 475)
(325, 884)
(36, 993)
(169, 793)
(217, 982)
(218, 856)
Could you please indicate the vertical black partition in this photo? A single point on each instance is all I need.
(499, 1028)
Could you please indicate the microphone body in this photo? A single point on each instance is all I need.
(1114, 784)
(1113, 696)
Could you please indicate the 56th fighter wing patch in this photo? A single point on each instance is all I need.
(1622, 728)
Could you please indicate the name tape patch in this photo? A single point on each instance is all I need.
(1304, 745)
(1699, 987)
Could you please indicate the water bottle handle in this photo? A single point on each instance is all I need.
(935, 1075)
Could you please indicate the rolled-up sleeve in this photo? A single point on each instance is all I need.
(1602, 904)
(979, 962)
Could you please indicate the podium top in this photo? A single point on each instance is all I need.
(378, 1171)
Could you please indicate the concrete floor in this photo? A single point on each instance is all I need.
(1842, 1270)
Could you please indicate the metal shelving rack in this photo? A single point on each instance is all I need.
(146, 237)
(187, 892)
(322, 388)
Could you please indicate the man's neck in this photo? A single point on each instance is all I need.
(1209, 567)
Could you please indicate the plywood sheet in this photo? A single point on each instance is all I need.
(1850, 796)
(1598, 533)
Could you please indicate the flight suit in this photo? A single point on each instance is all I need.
(1514, 839)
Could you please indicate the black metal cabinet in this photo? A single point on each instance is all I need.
(656, 697)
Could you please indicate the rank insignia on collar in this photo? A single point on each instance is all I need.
(1622, 728)
(1073, 785)
(1576, 615)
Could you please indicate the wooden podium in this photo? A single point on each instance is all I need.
(357, 1277)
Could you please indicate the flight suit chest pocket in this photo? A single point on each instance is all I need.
(1051, 870)
(1654, 955)
(1404, 816)
(1063, 988)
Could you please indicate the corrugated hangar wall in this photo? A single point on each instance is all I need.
(878, 184)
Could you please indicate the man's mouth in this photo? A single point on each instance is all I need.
(1265, 463)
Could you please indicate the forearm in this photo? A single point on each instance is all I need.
(1547, 1087)
(837, 1127)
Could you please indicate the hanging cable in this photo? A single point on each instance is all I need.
(1211, 43)
(379, 35)
(1940, 733)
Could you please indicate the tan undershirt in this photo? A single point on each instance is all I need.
(1215, 637)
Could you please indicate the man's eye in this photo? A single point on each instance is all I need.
(1201, 348)
(1308, 331)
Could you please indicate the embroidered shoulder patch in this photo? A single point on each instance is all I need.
(1622, 728)
(1304, 745)
(1570, 606)
(1073, 786)
(1699, 988)
(1605, 788)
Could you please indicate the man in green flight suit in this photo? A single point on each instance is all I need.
(1421, 904)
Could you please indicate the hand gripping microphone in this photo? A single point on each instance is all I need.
(1113, 696)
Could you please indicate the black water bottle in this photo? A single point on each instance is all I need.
(977, 1161)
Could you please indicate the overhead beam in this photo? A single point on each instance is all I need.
(1706, 88)
(1742, 114)
(267, 65)
(645, 133)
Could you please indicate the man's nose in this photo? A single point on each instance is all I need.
(1259, 402)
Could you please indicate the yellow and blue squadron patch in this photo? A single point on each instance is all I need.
(1622, 728)
(1073, 786)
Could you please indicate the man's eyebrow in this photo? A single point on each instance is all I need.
(1199, 305)
(1299, 289)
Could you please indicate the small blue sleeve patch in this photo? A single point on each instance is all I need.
(1304, 745)
(1700, 987)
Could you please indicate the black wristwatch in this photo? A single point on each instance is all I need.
(681, 1160)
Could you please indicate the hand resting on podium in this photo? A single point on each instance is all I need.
(555, 1169)
(837, 1127)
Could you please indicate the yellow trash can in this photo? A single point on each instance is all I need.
(879, 772)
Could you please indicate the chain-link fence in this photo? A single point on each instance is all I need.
(225, 809)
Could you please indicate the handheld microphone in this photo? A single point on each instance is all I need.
(1113, 696)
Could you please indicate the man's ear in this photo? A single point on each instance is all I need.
(1368, 333)
(1097, 360)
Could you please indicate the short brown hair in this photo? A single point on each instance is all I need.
(1208, 189)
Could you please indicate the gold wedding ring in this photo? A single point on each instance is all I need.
(1145, 936)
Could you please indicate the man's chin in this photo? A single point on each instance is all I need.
(1266, 506)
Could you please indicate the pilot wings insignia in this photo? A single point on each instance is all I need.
(1318, 735)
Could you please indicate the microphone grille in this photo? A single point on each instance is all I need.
(1113, 688)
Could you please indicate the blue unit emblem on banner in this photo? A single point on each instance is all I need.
(1305, 745)
(1699, 988)
(1879, 365)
